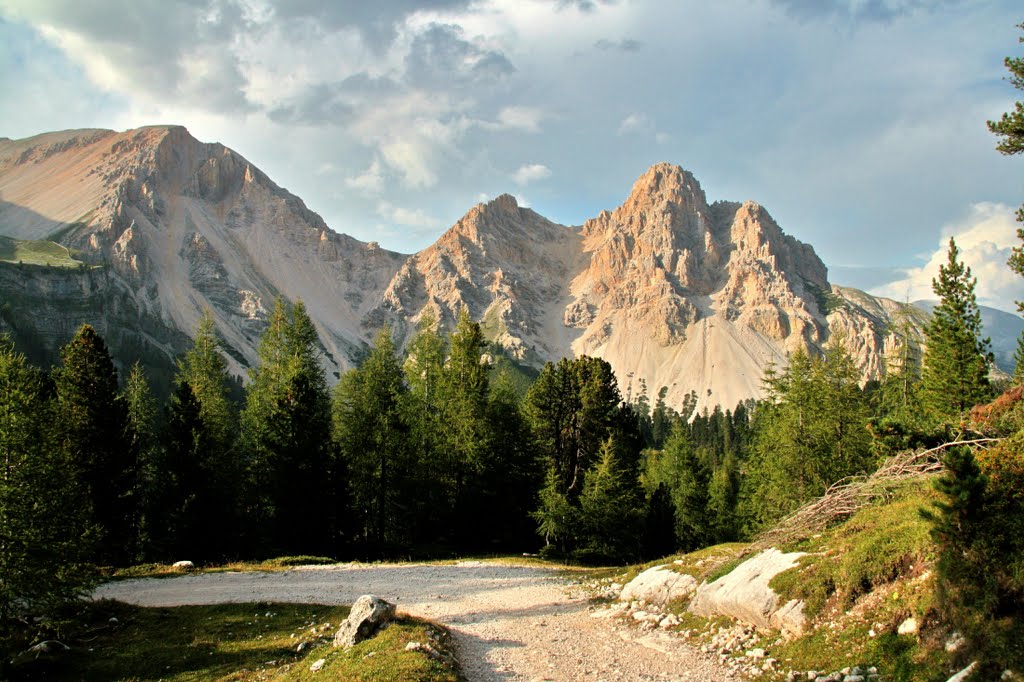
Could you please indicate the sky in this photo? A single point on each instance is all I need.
(858, 124)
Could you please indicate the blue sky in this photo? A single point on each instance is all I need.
(859, 124)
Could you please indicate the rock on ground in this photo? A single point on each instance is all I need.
(369, 614)
(659, 586)
(744, 594)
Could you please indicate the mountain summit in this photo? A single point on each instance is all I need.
(672, 291)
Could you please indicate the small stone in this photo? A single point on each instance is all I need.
(1008, 675)
(183, 565)
(908, 627)
(317, 665)
(755, 653)
(955, 642)
(301, 647)
(113, 620)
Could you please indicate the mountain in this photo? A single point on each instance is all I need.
(672, 291)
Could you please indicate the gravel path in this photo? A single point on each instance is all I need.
(509, 622)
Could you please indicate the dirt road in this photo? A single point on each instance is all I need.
(509, 622)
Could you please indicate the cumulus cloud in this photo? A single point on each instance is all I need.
(526, 119)
(531, 173)
(370, 182)
(858, 10)
(985, 239)
(441, 56)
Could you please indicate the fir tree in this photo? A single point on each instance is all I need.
(144, 434)
(956, 358)
(689, 491)
(611, 508)
(93, 421)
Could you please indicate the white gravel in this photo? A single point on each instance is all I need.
(509, 622)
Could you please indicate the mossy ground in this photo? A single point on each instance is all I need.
(230, 642)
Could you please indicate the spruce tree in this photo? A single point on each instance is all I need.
(611, 508)
(144, 432)
(92, 418)
(956, 358)
(689, 492)
(45, 532)
(286, 427)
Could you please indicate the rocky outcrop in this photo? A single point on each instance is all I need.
(744, 594)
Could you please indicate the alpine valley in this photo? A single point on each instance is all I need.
(156, 226)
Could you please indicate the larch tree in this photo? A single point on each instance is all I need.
(286, 431)
(956, 357)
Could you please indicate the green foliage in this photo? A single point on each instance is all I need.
(145, 439)
(92, 418)
(689, 479)
(372, 434)
(610, 508)
(812, 433)
(44, 531)
(286, 433)
(979, 528)
(956, 358)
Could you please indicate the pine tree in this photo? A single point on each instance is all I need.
(44, 528)
(372, 435)
(93, 421)
(286, 428)
(1010, 127)
(689, 491)
(956, 358)
(611, 508)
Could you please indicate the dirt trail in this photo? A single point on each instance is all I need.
(509, 622)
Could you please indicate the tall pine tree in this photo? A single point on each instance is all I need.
(956, 358)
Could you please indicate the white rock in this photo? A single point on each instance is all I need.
(744, 594)
(908, 627)
(659, 586)
(317, 665)
(185, 565)
(964, 674)
(955, 642)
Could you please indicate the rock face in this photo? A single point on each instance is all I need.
(659, 586)
(744, 594)
(368, 615)
(672, 291)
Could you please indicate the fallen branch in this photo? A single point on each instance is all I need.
(849, 495)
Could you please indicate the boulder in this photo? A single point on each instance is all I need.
(184, 565)
(744, 595)
(659, 586)
(368, 615)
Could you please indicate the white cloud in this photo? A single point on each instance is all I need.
(984, 238)
(635, 123)
(526, 119)
(369, 182)
(531, 173)
(407, 217)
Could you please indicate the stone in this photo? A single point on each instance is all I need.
(368, 615)
(49, 647)
(744, 594)
(964, 674)
(659, 586)
(954, 643)
(183, 565)
(317, 665)
(908, 627)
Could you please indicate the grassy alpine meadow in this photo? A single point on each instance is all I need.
(36, 253)
(262, 641)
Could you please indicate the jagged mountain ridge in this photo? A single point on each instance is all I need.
(672, 291)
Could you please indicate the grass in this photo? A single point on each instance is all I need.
(36, 253)
(231, 642)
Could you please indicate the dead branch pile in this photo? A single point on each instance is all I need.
(849, 495)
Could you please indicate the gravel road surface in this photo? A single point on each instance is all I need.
(509, 622)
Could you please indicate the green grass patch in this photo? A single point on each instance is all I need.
(876, 546)
(36, 253)
(229, 642)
